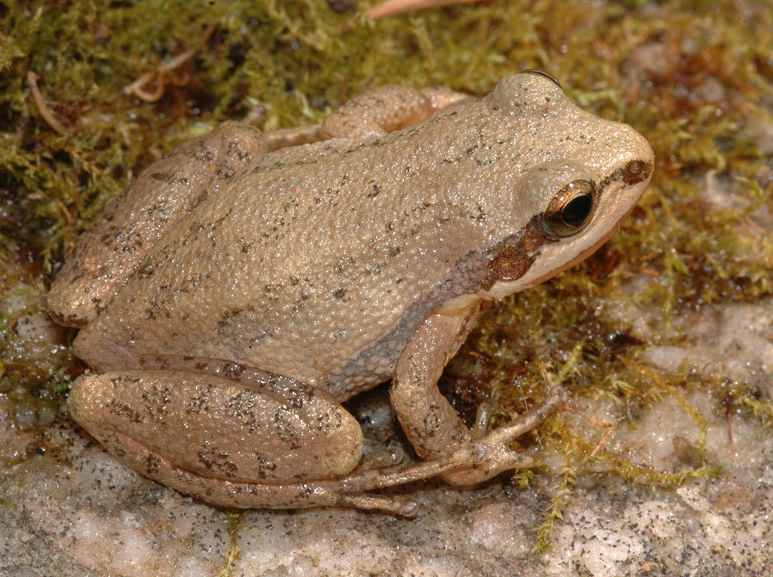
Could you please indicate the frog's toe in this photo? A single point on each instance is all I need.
(388, 457)
(491, 454)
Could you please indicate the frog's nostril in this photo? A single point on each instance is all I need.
(636, 171)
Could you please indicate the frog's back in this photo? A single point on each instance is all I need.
(320, 262)
(315, 263)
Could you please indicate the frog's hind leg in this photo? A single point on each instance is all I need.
(348, 492)
(271, 443)
(217, 439)
(387, 108)
(163, 194)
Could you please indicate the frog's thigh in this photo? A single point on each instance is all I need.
(159, 198)
(178, 426)
(387, 108)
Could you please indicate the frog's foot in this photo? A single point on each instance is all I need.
(431, 424)
(473, 462)
(491, 453)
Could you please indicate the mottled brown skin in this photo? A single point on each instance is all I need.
(227, 324)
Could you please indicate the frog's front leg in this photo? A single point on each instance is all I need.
(431, 423)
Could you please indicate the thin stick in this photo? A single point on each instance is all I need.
(610, 426)
(395, 7)
(45, 111)
(137, 88)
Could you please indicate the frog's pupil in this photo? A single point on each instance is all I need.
(577, 210)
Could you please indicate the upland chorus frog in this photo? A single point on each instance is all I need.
(232, 297)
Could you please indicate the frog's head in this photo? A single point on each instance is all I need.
(584, 176)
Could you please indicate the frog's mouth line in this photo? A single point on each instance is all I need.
(634, 172)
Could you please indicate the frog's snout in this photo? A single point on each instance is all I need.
(637, 171)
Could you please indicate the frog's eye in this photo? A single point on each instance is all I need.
(542, 73)
(570, 208)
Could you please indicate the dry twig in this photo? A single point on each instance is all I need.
(45, 111)
(395, 7)
(610, 426)
(137, 88)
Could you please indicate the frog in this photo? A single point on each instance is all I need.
(239, 290)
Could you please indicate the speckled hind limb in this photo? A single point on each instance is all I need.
(350, 491)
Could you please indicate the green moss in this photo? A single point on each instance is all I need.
(235, 522)
(552, 512)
